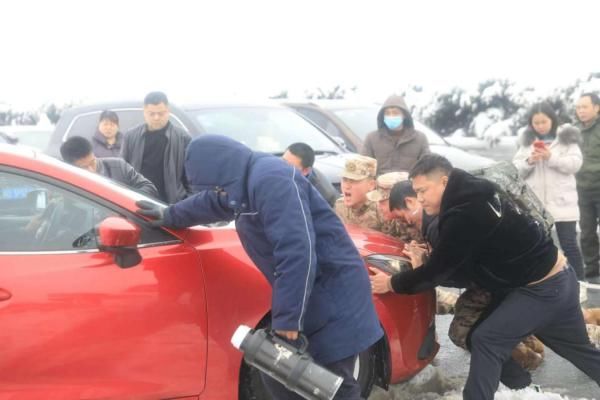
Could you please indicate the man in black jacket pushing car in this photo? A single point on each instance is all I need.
(486, 239)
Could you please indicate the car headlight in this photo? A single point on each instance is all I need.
(389, 263)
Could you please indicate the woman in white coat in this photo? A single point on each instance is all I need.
(548, 158)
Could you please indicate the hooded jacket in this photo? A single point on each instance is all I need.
(553, 180)
(395, 153)
(177, 141)
(483, 239)
(101, 148)
(588, 177)
(320, 284)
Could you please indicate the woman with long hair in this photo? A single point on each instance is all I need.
(548, 158)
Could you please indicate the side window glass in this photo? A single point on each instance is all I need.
(36, 216)
(320, 120)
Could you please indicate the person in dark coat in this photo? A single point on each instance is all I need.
(320, 284)
(77, 151)
(156, 149)
(588, 181)
(302, 156)
(487, 239)
(107, 140)
(396, 144)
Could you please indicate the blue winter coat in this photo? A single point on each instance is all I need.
(320, 284)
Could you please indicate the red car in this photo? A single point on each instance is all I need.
(96, 303)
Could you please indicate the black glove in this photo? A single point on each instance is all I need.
(151, 210)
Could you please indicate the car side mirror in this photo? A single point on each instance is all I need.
(120, 237)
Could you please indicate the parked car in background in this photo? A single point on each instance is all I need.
(83, 121)
(263, 127)
(96, 303)
(351, 123)
(34, 136)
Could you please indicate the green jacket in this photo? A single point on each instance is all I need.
(588, 177)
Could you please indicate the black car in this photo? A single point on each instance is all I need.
(266, 127)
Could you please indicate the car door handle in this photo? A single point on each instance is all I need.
(5, 294)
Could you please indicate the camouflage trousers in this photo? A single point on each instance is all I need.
(594, 334)
(469, 307)
(592, 320)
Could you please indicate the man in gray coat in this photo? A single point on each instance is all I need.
(588, 181)
(156, 149)
(396, 145)
(77, 151)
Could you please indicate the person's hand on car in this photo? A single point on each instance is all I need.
(151, 210)
(416, 252)
(380, 281)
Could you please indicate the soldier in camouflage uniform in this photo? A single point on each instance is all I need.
(358, 178)
(392, 226)
(592, 319)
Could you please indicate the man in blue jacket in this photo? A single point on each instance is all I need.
(320, 285)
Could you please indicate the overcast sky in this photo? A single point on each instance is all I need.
(199, 50)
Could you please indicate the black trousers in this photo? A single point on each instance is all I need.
(350, 389)
(567, 238)
(552, 312)
(589, 209)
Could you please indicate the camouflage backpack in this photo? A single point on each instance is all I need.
(510, 186)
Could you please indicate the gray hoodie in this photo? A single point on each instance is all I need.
(395, 152)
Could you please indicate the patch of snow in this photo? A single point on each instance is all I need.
(432, 384)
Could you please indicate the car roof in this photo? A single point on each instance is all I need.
(207, 105)
(329, 104)
(103, 106)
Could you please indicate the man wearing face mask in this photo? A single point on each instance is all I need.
(396, 145)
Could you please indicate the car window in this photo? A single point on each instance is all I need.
(321, 120)
(266, 129)
(360, 120)
(85, 124)
(363, 120)
(38, 139)
(39, 216)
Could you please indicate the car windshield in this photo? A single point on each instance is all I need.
(364, 120)
(22, 135)
(265, 129)
(37, 139)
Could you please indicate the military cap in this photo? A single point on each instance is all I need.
(360, 167)
(385, 183)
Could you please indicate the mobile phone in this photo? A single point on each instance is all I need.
(538, 144)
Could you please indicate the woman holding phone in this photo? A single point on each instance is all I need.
(548, 158)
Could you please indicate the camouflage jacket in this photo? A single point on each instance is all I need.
(368, 216)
